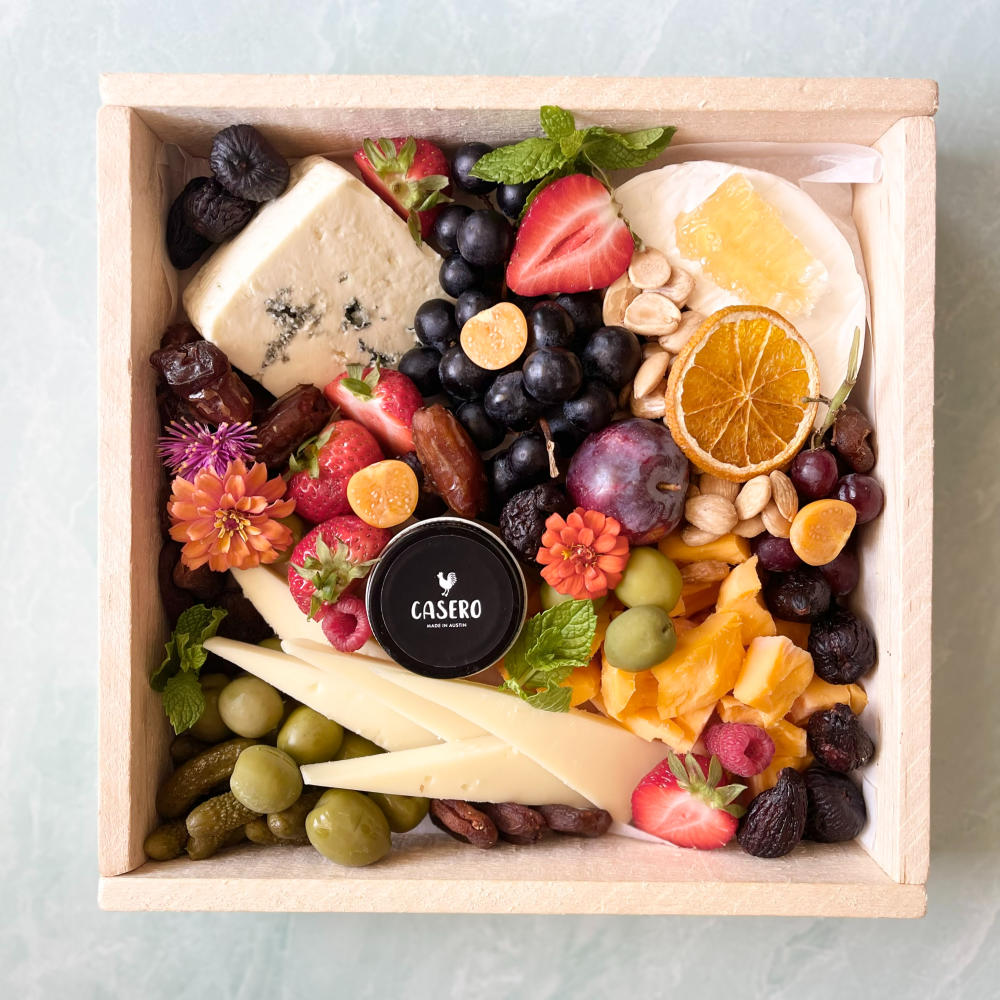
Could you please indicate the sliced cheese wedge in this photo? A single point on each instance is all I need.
(594, 756)
(482, 769)
(266, 588)
(442, 722)
(338, 696)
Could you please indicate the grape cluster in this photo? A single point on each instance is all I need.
(564, 386)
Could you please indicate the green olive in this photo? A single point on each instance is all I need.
(214, 682)
(250, 707)
(210, 728)
(265, 779)
(640, 638)
(309, 737)
(403, 812)
(273, 643)
(356, 746)
(348, 828)
(649, 578)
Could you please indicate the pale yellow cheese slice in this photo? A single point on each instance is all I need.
(482, 769)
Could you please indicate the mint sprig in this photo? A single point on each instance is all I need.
(176, 678)
(565, 149)
(550, 647)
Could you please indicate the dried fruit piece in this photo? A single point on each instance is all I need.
(184, 245)
(728, 548)
(851, 433)
(384, 494)
(821, 530)
(741, 748)
(836, 807)
(842, 647)
(211, 211)
(838, 740)
(199, 374)
(515, 823)
(247, 165)
(450, 460)
(464, 821)
(522, 520)
(776, 819)
(800, 596)
(576, 822)
(300, 413)
(495, 337)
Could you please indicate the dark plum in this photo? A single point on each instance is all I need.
(613, 355)
(435, 326)
(863, 493)
(552, 374)
(592, 409)
(800, 596)
(420, 365)
(814, 473)
(549, 325)
(457, 275)
(485, 238)
(485, 433)
(465, 158)
(461, 377)
(446, 226)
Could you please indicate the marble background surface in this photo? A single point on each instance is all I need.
(53, 940)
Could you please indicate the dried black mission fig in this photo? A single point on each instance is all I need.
(522, 520)
(247, 165)
(836, 807)
(776, 819)
(212, 212)
(842, 647)
(838, 740)
(851, 433)
(800, 596)
(184, 245)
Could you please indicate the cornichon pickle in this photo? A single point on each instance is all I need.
(166, 841)
(199, 848)
(258, 832)
(290, 823)
(216, 817)
(198, 776)
(184, 747)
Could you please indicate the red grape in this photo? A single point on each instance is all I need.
(843, 572)
(776, 555)
(814, 473)
(863, 493)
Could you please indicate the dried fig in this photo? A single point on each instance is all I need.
(851, 433)
(247, 165)
(836, 807)
(838, 740)
(184, 245)
(212, 212)
(774, 823)
(842, 647)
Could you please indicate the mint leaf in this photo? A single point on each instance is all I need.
(614, 153)
(571, 144)
(575, 622)
(645, 138)
(555, 699)
(522, 162)
(557, 123)
(183, 700)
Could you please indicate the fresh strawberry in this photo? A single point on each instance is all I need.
(382, 399)
(571, 239)
(345, 624)
(323, 465)
(410, 176)
(328, 559)
(680, 804)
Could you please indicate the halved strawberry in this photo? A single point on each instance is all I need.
(410, 176)
(572, 239)
(381, 399)
(684, 805)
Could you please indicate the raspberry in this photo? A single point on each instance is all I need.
(345, 624)
(742, 749)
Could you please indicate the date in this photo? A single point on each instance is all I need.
(515, 823)
(299, 414)
(577, 822)
(464, 822)
(450, 460)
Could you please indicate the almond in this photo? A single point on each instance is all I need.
(693, 491)
(719, 487)
(777, 525)
(679, 288)
(750, 528)
(651, 347)
(690, 535)
(677, 341)
(651, 406)
(649, 268)
(651, 315)
(711, 513)
(616, 300)
(784, 495)
(754, 497)
(650, 374)
(705, 571)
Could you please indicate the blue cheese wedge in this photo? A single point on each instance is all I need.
(325, 276)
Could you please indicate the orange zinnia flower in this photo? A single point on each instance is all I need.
(230, 521)
(583, 556)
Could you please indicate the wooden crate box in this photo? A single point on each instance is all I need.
(882, 876)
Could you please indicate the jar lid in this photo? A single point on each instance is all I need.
(447, 598)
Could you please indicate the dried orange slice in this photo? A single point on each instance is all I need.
(736, 396)
(495, 337)
(383, 494)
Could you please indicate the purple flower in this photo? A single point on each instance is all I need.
(187, 448)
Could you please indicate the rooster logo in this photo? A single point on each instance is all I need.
(446, 583)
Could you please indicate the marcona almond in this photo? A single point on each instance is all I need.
(651, 315)
(720, 487)
(754, 497)
(616, 299)
(785, 497)
(650, 374)
(711, 513)
(677, 341)
(690, 535)
(774, 522)
(705, 571)
(649, 268)
(750, 528)
(693, 490)
(679, 288)
(651, 347)
(651, 406)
